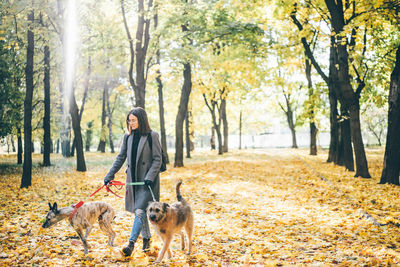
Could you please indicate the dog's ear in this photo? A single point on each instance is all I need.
(50, 206)
(165, 206)
(55, 206)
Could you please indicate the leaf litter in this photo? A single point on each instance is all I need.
(252, 207)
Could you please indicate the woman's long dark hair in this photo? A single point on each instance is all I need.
(141, 115)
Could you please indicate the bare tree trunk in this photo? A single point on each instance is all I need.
(103, 135)
(109, 124)
(391, 161)
(240, 130)
(27, 168)
(347, 97)
(19, 152)
(46, 119)
(141, 46)
(225, 125)
(76, 125)
(313, 128)
(212, 138)
(187, 135)
(213, 107)
(182, 110)
(160, 92)
(89, 132)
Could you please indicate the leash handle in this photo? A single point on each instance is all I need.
(142, 183)
(119, 186)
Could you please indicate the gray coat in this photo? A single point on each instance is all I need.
(148, 163)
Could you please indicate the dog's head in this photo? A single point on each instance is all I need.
(52, 216)
(157, 211)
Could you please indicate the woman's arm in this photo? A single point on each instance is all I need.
(119, 161)
(156, 155)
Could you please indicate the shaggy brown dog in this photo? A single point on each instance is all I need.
(170, 219)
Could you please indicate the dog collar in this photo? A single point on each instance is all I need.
(77, 206)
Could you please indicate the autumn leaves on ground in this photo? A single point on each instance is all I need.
(251, 207)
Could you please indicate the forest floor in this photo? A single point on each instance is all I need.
(252, 207)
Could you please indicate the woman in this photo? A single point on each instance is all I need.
(143, 166)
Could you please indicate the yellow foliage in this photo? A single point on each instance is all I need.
(252, 207)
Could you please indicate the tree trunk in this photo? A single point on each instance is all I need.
(289, 116)
(225, 125)
(240, 130)
(346, 155)
(160, 92)
(187, 134)
(76, 125)
(103, 134)
(19, 153)
(391, 161)
(89, 132)
(349, 100)
(27, 167)
(313, 128)
(109, 124)
(212, 138)
(46, 119)
(12, 143)
(180, 117)
(141, 46)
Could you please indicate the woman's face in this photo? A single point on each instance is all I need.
(133, 122)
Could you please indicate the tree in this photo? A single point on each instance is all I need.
(27, 168)
(46, 118)
(391, 161)
(140, 51)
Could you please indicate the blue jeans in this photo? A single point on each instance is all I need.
(140, 224)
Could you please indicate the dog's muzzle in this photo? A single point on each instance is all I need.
(153, 218)
(46, 225)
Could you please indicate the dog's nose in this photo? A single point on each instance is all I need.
(152, 217)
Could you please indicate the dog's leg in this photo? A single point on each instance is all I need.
(167, 241)
(88, 230)
(189, 232)
(105, 226)
(85, 245)
(182, 241)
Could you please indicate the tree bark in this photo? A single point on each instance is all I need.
(26, 179)
(180, 117)
(313, 128)
(391, 161)
(160, 92)
(334, 114)
(19, 152)
(187, 135)
(89, 132)
(225, 125)
(213, 107)
(109, 124)
(76, 125)
(240, 130)
(140, 51)
(46, 119)
(103, 134)
(349, 99)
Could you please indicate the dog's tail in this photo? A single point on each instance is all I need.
(178, 191)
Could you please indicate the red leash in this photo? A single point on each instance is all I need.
(117, 184)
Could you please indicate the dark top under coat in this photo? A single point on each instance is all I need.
(135, 143)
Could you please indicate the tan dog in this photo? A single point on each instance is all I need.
(169, 220)
(83, 219)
